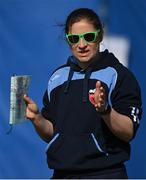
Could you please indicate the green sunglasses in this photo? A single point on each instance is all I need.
(88, 37)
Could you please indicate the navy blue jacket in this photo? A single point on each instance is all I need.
(81, 138)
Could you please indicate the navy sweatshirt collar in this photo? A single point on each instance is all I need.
(101, 60)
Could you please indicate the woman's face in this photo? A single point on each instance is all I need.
(84, 50)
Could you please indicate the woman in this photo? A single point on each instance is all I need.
(92, 107)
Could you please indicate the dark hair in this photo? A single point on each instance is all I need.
(84, 13)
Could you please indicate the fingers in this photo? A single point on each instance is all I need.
(100, 88)
(98, 84)
(99, 97)
(32, 108)
(28, 100)
(100, 92)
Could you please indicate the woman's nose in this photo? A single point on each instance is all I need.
(82, 43)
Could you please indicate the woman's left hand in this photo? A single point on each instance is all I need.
(98, 99)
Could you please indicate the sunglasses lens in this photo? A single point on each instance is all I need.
(73, 39)
(89, 37)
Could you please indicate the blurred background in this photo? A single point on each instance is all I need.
(32, 42)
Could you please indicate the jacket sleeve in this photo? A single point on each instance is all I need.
(45, 111)
(126, 97)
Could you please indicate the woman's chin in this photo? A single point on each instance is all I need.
(84, 59)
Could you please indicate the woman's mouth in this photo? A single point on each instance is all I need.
(83, 53)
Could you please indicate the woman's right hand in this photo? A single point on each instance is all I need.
(31, 108)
